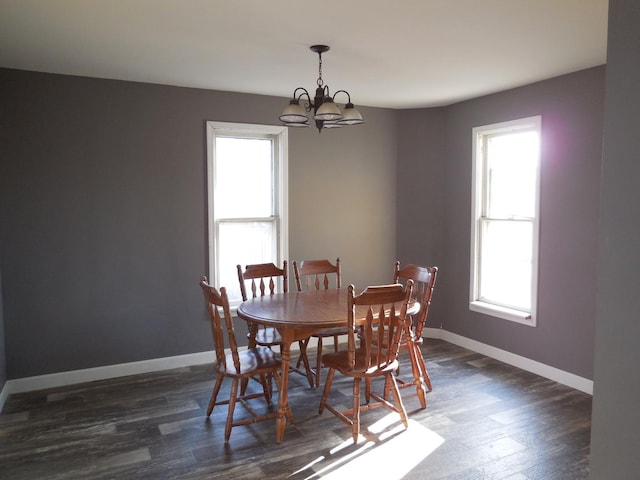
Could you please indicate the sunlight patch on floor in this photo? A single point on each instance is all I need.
(376, 450)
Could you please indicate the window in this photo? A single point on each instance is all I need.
(504, 229)
(247, 193)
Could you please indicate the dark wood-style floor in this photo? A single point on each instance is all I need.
(484, 420)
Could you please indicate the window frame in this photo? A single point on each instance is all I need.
(280, 155)
(479, 195)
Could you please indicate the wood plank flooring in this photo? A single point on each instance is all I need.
(484, 420)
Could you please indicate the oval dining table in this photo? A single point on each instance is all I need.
(296, 316)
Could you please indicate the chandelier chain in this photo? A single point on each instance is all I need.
(320, 82)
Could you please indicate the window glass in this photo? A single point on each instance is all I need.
(512, 165)
(244, 177)
(505, 275)
(504, 233)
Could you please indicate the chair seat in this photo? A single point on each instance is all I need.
(340, 361)
(252, 361)
(330, 332)
(268, 336)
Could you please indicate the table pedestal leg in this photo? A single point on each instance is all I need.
(283, 397)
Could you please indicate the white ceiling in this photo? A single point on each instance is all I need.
(396, 54)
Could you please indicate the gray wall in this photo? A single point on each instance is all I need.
(439, 150)
(615, 441)
(422, 159)
(104, 221)
(102, 207)
(342, 188)
(3, 354)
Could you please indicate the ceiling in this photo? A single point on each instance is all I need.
(395, 54)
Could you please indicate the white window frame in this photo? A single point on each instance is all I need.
(279, 134)
(477, 195)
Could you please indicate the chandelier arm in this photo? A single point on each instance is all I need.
(343, 91)
(304, 92)
(309, 104)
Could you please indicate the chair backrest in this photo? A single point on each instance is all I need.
(378, 324)
(217, 301)
(424, 280)
(315, 274)
(264, 279)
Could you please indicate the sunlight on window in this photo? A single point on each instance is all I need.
(505, 275)
(244, 177)
(512, 164)
(243, 244)
(373, 458)
(506, 246)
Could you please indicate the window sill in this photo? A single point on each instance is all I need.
(510, 314)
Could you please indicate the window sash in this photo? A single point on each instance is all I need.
(505, 272)
(271, 230)
(503, 281)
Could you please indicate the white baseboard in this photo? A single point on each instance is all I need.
(123, 369)
(569, 379)
(40, 382)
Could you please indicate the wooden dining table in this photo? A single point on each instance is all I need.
(296, 316)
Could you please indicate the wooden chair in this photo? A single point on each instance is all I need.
(255, 362)
(378, 326)
(424, 279)
(314, 275)
(263, 279)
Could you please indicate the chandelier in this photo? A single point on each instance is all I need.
(325, 112)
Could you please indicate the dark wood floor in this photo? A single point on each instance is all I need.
(484, 420)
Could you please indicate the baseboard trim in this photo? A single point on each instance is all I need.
(569, 379)
(41, 382)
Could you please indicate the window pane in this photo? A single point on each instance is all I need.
(505, 270)
(241, 244)
(511, 169)
(244, 177)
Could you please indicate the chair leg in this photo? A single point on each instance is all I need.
(423, 367)
(232, 406)
(303, 345)
(265, 388)
(270, 383)
(243, 386)
(214, 394)
(387, 387)
(356, 409)
(398, 398)
(319, 363)
(418, 379)
(327, 387)
(305, 360)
